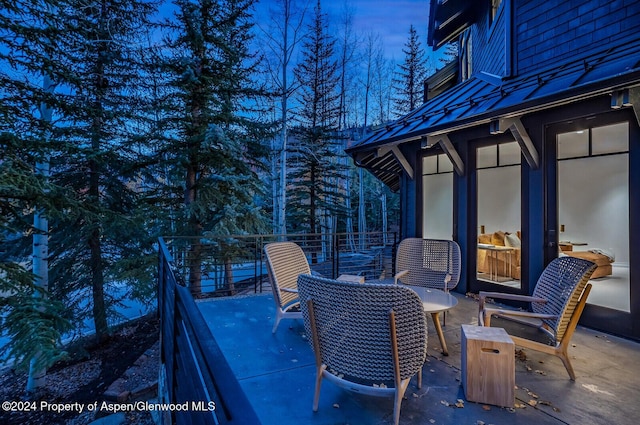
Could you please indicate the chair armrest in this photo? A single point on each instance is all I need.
(484, 318)
(519, 313)
(399, 275)
(512, 297)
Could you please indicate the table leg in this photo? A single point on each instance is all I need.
(436, 323)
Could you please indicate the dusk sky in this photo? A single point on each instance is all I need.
(390, 19)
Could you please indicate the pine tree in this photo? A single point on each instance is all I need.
(316, 166)
(98, 162)
(450, 53)
(409, 81)
(30, 317)
(213, 143)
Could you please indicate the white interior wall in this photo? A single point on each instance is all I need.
(593, 202)
(437, 207)
(593, 195)
(499, 199)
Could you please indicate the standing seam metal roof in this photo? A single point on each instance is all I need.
(483, 98)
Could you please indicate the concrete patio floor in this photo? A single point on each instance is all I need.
(277, 374)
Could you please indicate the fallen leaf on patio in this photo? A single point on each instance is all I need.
(415, 395)
(528, 368)
(433, 421)
(336, 406)
(460, 404)
(533, 403)
(532, 394)
(541, 372)
(521, 355)
(573, 345)
(445, 403)
(520, 406)
(544, 402)
(485, 407)
(555, 409)
(479, 423)
(431, 370)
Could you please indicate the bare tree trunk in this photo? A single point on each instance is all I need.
(283, 48)
(275, 222)
(385, 213)
(362, 210)
(282, 201)
(282, 210)
(37, 376)
(312, 210)
(348, 49)
(228, 272)
(348, 206)
(95, 171)
(195, 250)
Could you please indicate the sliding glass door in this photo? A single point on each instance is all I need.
(593, 207)
(499, 214)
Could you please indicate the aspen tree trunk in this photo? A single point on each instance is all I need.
(362, 216)
(37, 377)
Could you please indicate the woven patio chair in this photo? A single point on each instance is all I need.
(556, 303)
(433, 263)
(369, 338)
(285, 261)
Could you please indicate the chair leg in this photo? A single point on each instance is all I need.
(316, 397)
(487, 319)
(436, 324)
(278, 318)
(400, 390)
(564, 356)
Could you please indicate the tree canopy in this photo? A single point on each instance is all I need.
(118, 125)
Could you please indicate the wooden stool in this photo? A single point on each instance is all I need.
(488, 365)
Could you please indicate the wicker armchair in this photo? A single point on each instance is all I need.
(285, 261)
(557, 302)
(364, 335)
(433, 263)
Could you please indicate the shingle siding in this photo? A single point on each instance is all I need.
(488, 40)
(551, 31)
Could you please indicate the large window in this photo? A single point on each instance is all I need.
(437, 199)
(593, 207)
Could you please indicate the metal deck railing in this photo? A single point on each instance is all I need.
(227, 265)
(194, 372)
